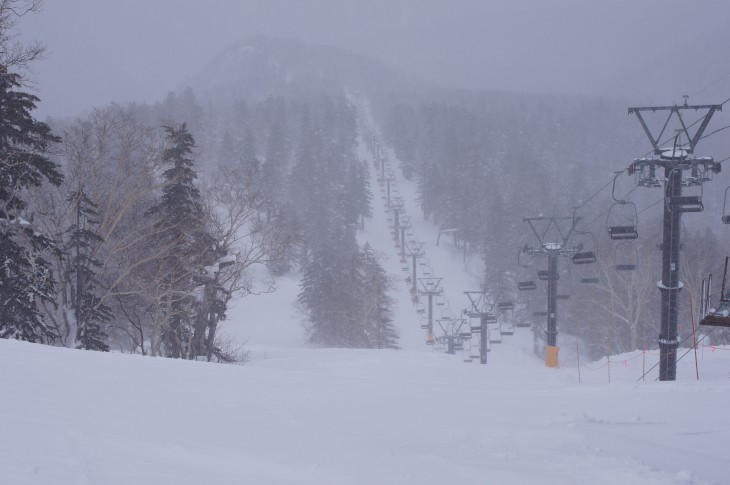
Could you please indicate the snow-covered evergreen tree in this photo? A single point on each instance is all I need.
(184, 244)
(89, 311)
(26, 277)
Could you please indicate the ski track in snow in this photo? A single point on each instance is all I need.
(298, 415)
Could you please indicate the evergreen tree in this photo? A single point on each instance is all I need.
(89, 311)
(184, 242)
(26, 277)
(375, 302)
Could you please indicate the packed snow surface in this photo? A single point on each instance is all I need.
(352, 417)
(298, 415)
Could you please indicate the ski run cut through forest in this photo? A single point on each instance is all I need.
(298, 415)
(305, 265)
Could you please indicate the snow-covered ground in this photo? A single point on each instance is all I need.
(299, 415)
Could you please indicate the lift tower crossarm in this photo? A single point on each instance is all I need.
(676, 110)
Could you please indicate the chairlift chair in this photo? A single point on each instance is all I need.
(617, 228)
(507, 328)
(440, 300)
(522, 323)
(495, 335)
(583, 257)
(616, 220)
(687, 203)
(725, 215)
(526, 285)
(583, 254)
(718, 317)
(505, 305)
(544, 275)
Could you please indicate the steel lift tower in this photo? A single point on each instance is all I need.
(552, 243)
(675, 160)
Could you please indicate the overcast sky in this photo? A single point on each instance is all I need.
(124, 50)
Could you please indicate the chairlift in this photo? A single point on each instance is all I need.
(424, 324)
(583, 257)
(507, 328)
(617, 228)
(475, 325)
(627, 262)
(544, 275)
(725, 215)
(440, 300)
(420, 308)
(505, 305)
(583, 254)
(718, 317)
(687, 203)
(495, 336)
(616, 220)
(526, 285)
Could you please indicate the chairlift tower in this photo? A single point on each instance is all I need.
(482, 309)
(429, 288)
(675, 161)
(387, 181)
(415, 251)
(405, 224)
(552, 250)
(397, 208)
(452, 334)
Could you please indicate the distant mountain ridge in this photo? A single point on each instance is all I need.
(261, 66)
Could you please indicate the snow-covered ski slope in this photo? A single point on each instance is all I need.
(298, 415)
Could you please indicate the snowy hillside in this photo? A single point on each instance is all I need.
(300, 415)
(352, 417)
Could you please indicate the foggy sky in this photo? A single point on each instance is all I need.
(137, 50)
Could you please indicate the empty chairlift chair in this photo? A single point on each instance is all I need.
(725, 214)
(505, 305)
(719, 316)
(544, 275)
(622, 220)
(623, 223)
(526, 285)
(585, 249)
